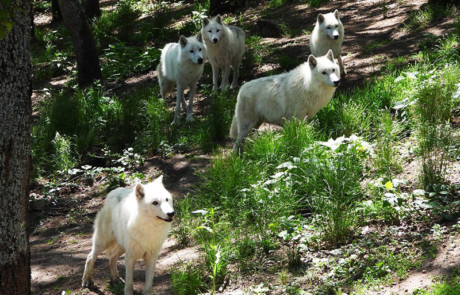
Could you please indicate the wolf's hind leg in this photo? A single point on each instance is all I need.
(236, 74)
(98, 248)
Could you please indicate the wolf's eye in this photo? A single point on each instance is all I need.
(167, 199)
(328, 28)
(210, 31)
(191, 51)
(336, 26)
(155, 203)
(199, 49)
(217, 30)
(333, 70)
(324, 73)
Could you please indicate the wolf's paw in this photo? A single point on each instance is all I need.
(87, 283)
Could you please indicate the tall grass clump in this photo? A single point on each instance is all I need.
(91, 121)
(327, 177)
(138, 119)
(116, 25)
(63, 156)
(218, 119)
(359, 111)
(74, 116)
(433, 110)
(386, 161)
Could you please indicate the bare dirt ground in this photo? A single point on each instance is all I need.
(61, 230)
(446, 259)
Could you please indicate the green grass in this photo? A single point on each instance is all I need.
(312, 186)
(287, 173)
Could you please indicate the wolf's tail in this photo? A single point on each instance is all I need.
(234, 128)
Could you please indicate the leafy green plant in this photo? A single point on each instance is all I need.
(187, 279)
(120, 61)
(215, 247)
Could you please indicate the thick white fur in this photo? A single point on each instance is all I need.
(135, 221)
(181, 64)
(328, 34)
(300, 93)
(226, 46)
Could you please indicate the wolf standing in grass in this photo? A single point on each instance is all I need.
(328, 34)
(300, 93)
(225, 45)
(135, 221)
(181, 64)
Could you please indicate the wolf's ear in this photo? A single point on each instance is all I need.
(330, 55)
(205, 21)
(139, 190)
(183, 41)
(219, 19)
(312, 61)
(336, 14)
(159, 179)
(320, 18)
(199, 37)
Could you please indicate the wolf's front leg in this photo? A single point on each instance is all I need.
(150, 263)
(179, 98)
(190, 103)
(215, 75)
(129, 264)
(225, 75)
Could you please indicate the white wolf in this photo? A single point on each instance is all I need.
(181, 64)
(328, 34)
(226, 45)
(135, 221)
(300, 93)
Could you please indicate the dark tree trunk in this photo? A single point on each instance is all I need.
(88, 67)
(223, 6)
(15, 155)
(92, 9)
(55, 10)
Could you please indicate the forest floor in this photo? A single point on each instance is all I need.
(60, 236)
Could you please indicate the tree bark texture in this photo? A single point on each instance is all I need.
(15, 155)
(92, 9)
(55, 10)
(75, 20)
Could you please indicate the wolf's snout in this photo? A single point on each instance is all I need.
(215, 40)
(170, 214)
(336, 83)
(200, 61)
